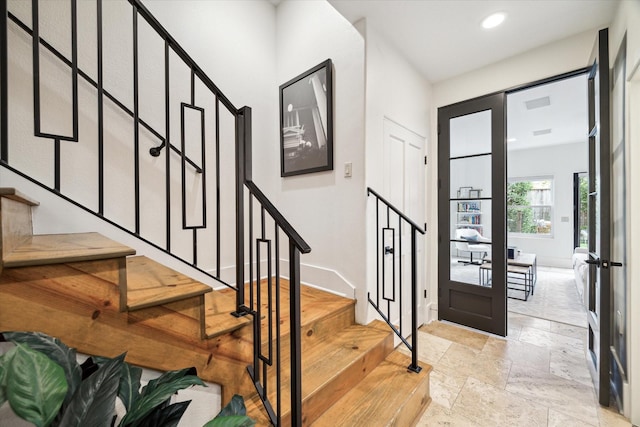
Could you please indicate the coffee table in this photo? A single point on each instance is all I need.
(521, 271)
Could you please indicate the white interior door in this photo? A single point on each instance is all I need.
(405, 189)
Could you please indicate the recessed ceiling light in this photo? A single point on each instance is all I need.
(493, 20)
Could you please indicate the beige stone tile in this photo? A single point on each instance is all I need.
(437, 415)
(487, 405)
(569, 330)
(552, 340)
(456, 334)
(464, 361)
(558, 419)
(513, 331)
(566, 396)
(570, 366)
(518, 352)
(609, 417)
(529, 321)
(445, 387)
(430, 347)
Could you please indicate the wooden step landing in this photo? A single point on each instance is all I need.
(150, 284)
(64, 248)
(330, 368)
(389, 396)
(13, 194)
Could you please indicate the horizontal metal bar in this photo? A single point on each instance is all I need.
(278, 218)
(396, 210)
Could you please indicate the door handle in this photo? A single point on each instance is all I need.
(388, 250)
(595, 262)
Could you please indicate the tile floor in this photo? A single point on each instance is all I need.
(537, 376)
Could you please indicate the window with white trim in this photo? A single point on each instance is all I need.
(530, 206)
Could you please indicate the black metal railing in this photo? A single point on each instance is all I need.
(261, 249)
(263, 228)
(188, 166)
(392, 286)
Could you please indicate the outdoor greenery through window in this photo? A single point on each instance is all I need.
(530, 206)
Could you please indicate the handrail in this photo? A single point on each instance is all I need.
(284, 225)
(396, 210)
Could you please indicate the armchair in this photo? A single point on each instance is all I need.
(469, 240)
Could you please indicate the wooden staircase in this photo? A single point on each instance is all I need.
(96, 296)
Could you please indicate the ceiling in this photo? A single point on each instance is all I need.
(444, 38)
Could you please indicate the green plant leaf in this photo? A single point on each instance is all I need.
(234, 407)
(55, 350)
(165, 417)
(5, 359)
(94, 401)
(158, 391)
(129, 389)
(168, 377)
(36, 386)
(231, 421)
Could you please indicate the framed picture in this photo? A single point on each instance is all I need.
(306, 122)
(463, 192)
(474, 193)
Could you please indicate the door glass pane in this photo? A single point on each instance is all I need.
(470, 177)
(470, 134)
(470, 238)
(470, 198)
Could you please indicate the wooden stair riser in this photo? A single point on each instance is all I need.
(108, 333)
(15, 225)
(70, 281)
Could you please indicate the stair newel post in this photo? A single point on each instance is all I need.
(296, 344)
(4, 84)
(414, 302)
(243, 174)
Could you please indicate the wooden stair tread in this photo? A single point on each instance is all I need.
(62, 248)
(150, 283)
(382, 397)
(315, 305)
(218, 318)
(12, 193)
(331, 367)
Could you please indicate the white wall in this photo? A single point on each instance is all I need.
(559, 162)
(627, 20)
(396, 91)
(326, 208)
(547, 61)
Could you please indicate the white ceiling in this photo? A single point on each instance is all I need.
(563, 121)
(443, 38)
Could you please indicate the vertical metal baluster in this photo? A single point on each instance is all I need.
(278, 346)
(56, 164)
(4, 84)
(296, 344)
(136, 119)
(100, 110)
(251, 290)
(218, 238)
(400, 265)
(377, 252)
(35, 42)
(167, 142)
(74, 66)
(414, 303)
(393, 266)
(195, 246)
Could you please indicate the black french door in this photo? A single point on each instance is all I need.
(471, 214)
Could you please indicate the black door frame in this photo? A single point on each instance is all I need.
(444, 254)
(479, 307)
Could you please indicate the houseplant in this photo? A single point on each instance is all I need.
(44, 384)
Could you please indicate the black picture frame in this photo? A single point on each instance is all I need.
(306, 125)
